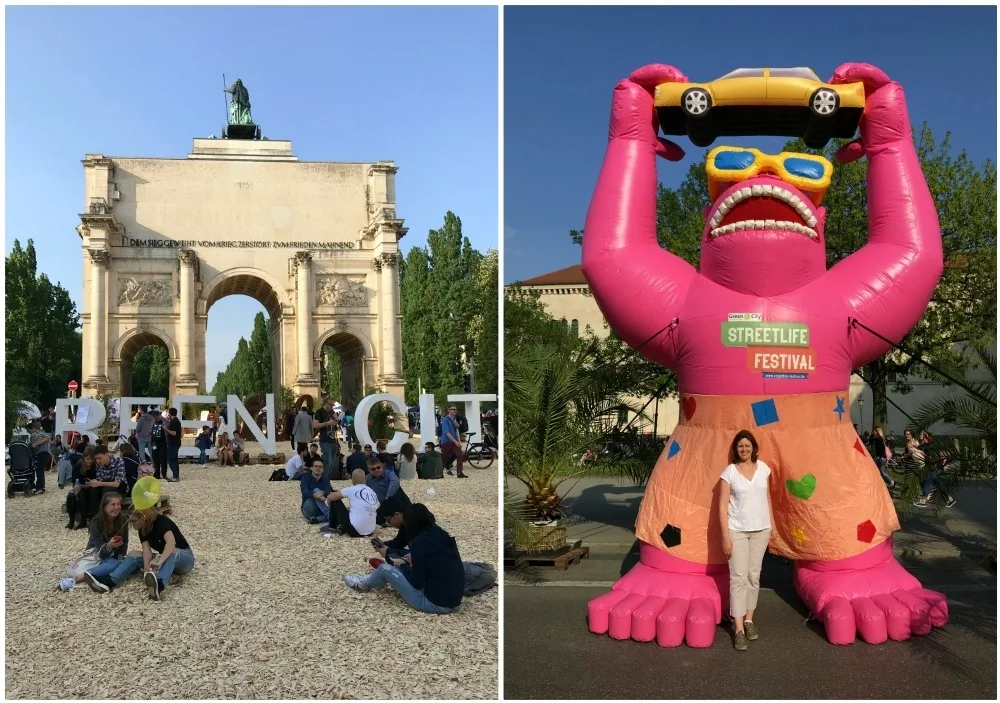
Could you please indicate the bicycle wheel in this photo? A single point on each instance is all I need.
(479, 457)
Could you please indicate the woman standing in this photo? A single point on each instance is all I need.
(745, 517)
(41, 453)
(435, 580)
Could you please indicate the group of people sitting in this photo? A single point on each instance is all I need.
(421, 563)
(164, 550)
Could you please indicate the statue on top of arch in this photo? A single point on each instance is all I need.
(338, 290)
(239, 105)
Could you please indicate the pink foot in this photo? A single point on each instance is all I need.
(663, 597)
(870, 594)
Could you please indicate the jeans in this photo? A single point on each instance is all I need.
(201, 457)
(414, 597)
(331, 460)
(933, 481)
(160, 462)
(144, 446)
(106, 567)
(172, 460)
(453, 449)
(880, 463)
(313, 508)
(128, 566)
(42, 461)
(181, 561)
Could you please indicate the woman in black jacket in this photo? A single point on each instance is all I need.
(83, 500)
(435, 581)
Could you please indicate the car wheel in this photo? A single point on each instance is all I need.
(824, 102)
(696, 102)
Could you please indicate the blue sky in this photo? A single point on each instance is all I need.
(417, 85)
(561, 64)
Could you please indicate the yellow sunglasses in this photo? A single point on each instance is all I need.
(731, 164)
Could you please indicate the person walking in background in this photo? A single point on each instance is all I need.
(879, 455)
(144, 434)
(174, 434)
(39, 440)
(745, 520)
(302, 429)
(451, 439)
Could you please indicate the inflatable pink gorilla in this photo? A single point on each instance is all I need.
(761, 337)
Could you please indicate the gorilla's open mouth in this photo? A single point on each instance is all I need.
(763, 207)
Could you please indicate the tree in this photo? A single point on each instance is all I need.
(43, 342)
(964, 303)
(483, 334)
(526, 323)
(259, 357)
(438, 301)
(151, 372)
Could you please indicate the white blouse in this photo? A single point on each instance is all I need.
(748, 505)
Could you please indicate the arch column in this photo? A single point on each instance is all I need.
(187, 380)
(306, 378)
(100, 261)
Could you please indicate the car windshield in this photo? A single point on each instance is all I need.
(743, 73)
(800, 72)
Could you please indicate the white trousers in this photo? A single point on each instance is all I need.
(744, 570)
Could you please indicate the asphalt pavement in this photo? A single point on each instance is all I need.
(550, 654)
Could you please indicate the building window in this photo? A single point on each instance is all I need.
(575, 327)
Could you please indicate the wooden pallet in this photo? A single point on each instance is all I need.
(559, 563)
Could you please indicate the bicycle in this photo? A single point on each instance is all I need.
(480, 455)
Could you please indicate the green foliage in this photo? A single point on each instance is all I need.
(151, 372)
(438, 299)
(381, 419)
(330, 374)
(249, 372)
(43, 344)
(484, 333)
(527, 324)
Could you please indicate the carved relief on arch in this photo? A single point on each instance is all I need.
(149, 291)
(338, 290)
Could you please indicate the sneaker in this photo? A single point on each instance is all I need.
(463, 476)
(66, 584)
(951, 503)
(740, 641)
(922, 503)
(329, 530)
(751, 630)
(375, 562)
(355, 582)
(96, 583)
(152, 585)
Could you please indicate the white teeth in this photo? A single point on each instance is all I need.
(743, 225)
(767, 191)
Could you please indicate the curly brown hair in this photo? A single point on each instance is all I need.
(734, 457)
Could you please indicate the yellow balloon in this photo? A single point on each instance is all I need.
(145, 493)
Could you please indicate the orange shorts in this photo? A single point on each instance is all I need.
(828, 500)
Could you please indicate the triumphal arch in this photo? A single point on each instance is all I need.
(316, 243)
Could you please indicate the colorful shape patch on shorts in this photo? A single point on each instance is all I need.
(674, 448)
(765, 412)
(866, 532)
(803, 488)
(671, 536)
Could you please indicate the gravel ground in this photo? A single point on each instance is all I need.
(264, 614)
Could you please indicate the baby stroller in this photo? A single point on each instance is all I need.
(21, 469)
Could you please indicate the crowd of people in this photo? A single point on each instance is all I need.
(919, 454)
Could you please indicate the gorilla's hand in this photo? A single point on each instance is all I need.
(632, 115)
(885, 120)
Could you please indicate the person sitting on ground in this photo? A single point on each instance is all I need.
(431, 463)
(203, 442)
(435, 582)
(359, 518)
(68, 463)
(296, 466)
(239, 455)
(358, 459)
(315, 489)
(159, 534)
(108, 535)
(313, 454)
(396, 548)
(224, 450)
(384, 481)
(385, 457)
(83, 500)
(109, 472)
(406, 462)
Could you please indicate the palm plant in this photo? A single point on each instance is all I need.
(555, 410)
(974, 452)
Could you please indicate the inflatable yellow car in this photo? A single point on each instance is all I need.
(780, 102)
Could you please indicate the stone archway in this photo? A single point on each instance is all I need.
(128, 345)
(355, 353)
(315, 242)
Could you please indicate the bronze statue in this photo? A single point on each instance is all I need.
(239, 105)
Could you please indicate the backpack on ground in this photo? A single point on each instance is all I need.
(479, 577)
(278, 475)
